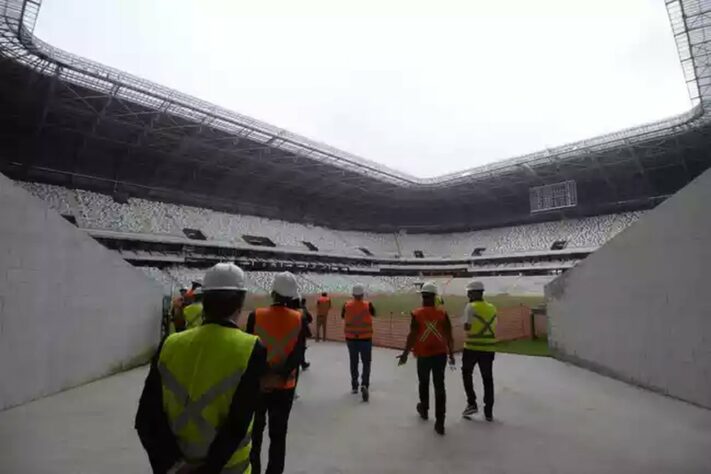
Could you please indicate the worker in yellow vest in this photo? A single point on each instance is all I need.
(195, 412)
(357, 315)
(192, 313)
(479, 348)
(282, 330)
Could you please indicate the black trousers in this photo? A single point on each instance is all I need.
(485, 359)
(435, 365)
(360, 349)
(277, 405)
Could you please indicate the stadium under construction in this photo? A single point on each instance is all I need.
(116, 190)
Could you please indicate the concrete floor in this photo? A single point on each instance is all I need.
(551, 418)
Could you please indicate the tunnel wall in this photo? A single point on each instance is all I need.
(639, 308)
(70, 310)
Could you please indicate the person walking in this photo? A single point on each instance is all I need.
(282, 330)
(358, 315)
(479, 348)
(192, 313)
(176, 322)
(196, 408)
(308, 319)
(323, 308)
(430, 339)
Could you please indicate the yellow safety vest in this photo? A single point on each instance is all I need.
(200, 371)
(482, 333)
(193, 315)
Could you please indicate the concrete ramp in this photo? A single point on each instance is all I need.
(550, 417)
(640, 308)
(70, 310)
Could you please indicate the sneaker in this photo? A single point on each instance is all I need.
(364, 393)
(489, 417)
(354, 390)
(469, 411)
(439, 427)
(422, 411)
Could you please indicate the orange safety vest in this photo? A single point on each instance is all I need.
(431, 338)
(358, 320)
(278, 328)
(323, 306)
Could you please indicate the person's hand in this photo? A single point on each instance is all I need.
(402, 358)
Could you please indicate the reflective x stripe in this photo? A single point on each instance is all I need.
(276, 347)
(487, 330)
(192, 411)
(431, 328)
(356, 323)
(238, 468)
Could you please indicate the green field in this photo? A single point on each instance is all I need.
(536, 347)
(400, 305)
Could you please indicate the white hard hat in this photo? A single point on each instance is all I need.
(285, 285)
(429, 287)
(475, 286)
(358, 290)
(224, 276)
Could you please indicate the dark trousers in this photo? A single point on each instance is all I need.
(277, 405)
(435, 365)
(321, 325)
(485, 360)
(362, 349)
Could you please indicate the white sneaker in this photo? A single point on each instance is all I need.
(469, 411)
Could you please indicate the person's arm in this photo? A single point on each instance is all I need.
(410, 343)
(449, 337)
(152, 424)
(235, 426)
(371, 308)
(294, 359)
(343, 312)
(250, 323)
(468, 315)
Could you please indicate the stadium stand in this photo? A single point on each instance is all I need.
(100, 211)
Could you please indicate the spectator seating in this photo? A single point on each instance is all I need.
(100, 211)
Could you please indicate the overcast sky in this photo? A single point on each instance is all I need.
(426, 87)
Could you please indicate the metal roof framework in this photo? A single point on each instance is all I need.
(80, 123)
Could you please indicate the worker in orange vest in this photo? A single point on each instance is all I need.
(431, 340)
(282, 331)
(323, 307)
(358, 314)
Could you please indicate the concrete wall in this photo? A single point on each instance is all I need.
(70, 310)
(640, 307)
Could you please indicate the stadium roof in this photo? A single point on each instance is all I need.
(67, 120)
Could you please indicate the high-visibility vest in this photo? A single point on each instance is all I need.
(192, 315)
(482, 333)
(431, 338)
(358, 320)
(200, 371)
(278, 328)
(323, 306)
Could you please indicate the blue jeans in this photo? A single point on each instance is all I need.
(362, 349)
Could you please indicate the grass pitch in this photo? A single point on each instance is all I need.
(401, 304)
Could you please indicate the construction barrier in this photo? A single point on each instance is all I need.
(391, 330)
